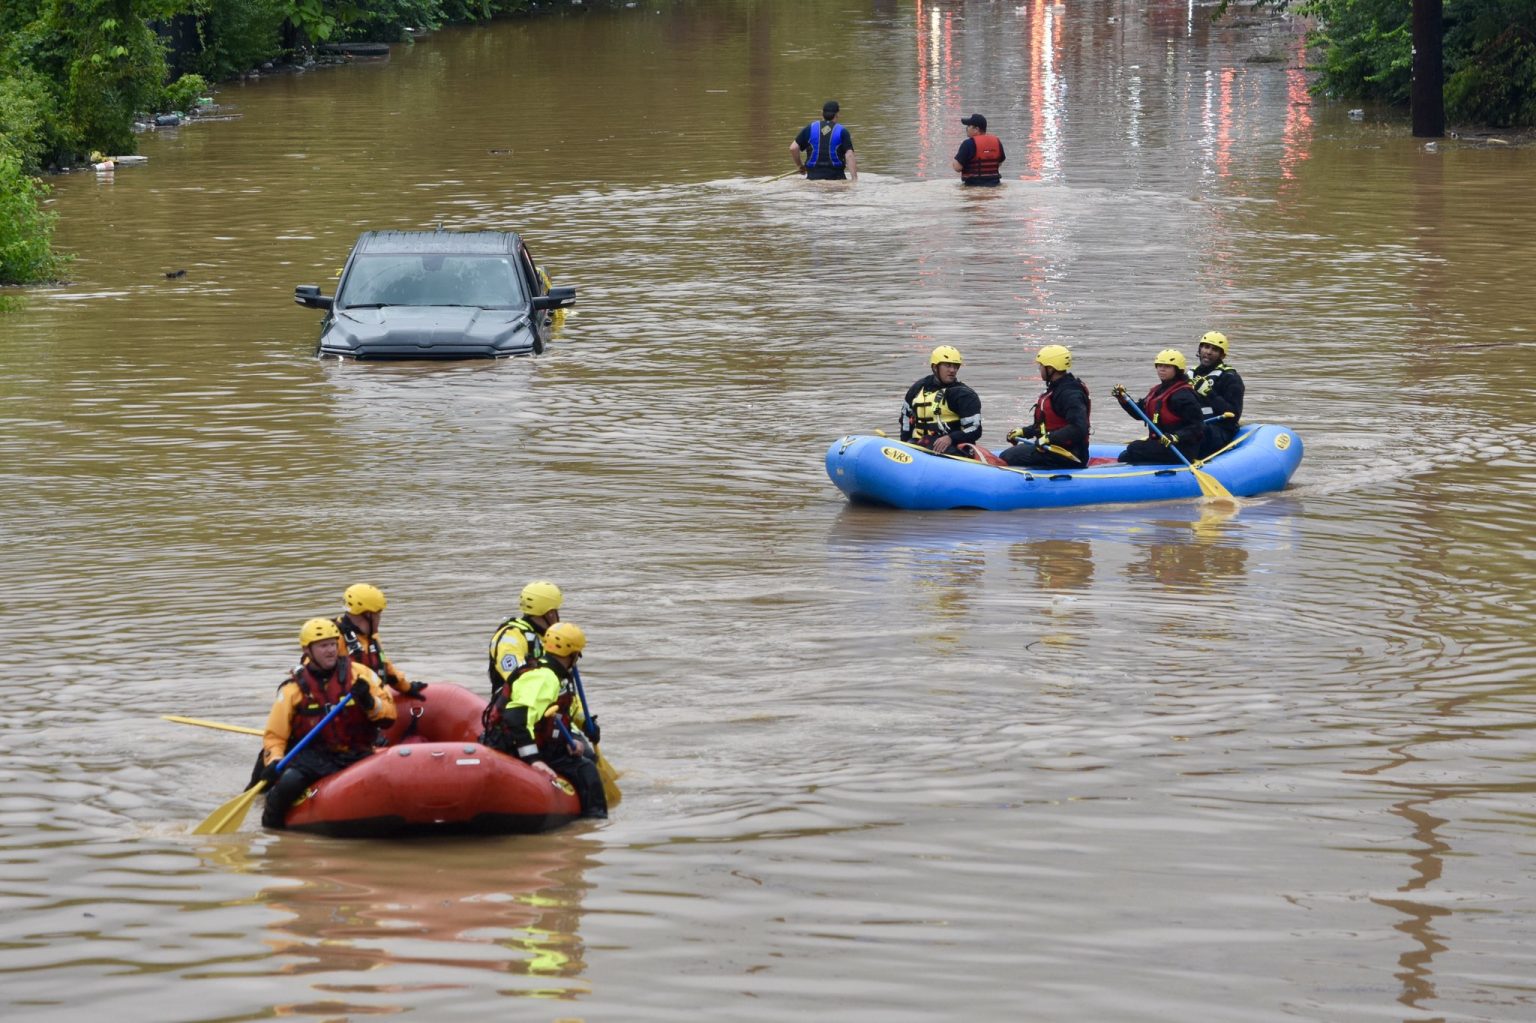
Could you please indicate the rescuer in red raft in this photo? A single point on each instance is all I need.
(1173, 406)
(360, 634)
(1057, 438)
(980, 155)
(539, 718)
(323, 677)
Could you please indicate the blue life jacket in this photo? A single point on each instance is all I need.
(831, 157)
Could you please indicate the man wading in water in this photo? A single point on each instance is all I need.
(827, 147)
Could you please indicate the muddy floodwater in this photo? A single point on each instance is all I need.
(1119, 764)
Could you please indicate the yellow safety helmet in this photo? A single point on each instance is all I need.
(361, 598)
(1171, 357)
(1055, 356)
(539, 598)
(564, 639)
(1216, 339)
(316, 629)
(945, 353)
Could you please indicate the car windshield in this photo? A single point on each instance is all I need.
(436, 279)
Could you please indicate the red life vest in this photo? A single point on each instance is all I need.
(1155, 404)
(1046, 416)
(989, 151)
(350, 730)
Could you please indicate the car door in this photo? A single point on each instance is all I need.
(544, 319)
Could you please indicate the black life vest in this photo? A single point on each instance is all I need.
(1204, 384)
(362, 649)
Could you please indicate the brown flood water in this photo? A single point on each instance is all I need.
(1142, 764)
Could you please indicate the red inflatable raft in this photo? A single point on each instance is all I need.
(434, 777)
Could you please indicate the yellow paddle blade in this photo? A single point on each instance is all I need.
(1211, 487)
(1064, 453)
(212, 724)
(226, 820)
(610, 776)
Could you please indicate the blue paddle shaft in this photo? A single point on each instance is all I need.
(313, 732)
(588, 718)
(565, 733)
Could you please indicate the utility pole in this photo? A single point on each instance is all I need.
(1426, 96)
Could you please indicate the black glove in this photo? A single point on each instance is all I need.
(271, 774)
(1169, 439)
(594, 732)
(362, 695)
(416, 689)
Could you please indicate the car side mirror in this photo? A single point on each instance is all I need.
(308, 296)
(558, 298)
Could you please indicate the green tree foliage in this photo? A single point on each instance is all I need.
(1489, 54)
(100, 63)
(1367, 47)
(26, 256)
(1493, 80)
(237, 36)
(184, 92)
(29, 114)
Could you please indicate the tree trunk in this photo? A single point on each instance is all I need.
(1427, 94)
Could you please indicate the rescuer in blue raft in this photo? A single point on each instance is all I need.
(1173, 409)
(1057, 436)
(1220, 391)
(939, 412)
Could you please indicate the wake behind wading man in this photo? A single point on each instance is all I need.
(824, 148)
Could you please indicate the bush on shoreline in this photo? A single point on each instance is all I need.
(26, 229)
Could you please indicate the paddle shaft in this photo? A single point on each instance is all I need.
(313, 732)
(588, 718)
(565, 733)
(1148, 420)
(212, 724)
(605, 769)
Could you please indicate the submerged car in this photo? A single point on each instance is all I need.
(437, 295)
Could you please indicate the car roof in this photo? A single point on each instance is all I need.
(463, 242)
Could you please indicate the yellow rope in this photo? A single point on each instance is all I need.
(1170, 467)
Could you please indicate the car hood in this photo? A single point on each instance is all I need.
(430, 332)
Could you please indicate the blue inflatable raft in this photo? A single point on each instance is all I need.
(879, 470)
